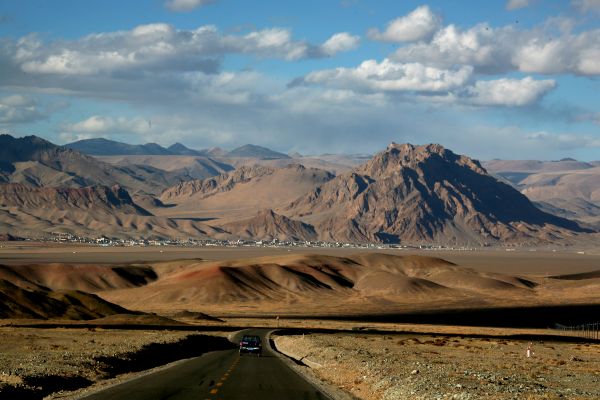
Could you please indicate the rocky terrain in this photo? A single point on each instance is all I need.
(405, 194)
(36, 162)
(425, 194)
(413, 366)
(37, 362)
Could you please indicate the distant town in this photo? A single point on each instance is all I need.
(104, 241)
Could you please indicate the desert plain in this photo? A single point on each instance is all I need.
(461, 319)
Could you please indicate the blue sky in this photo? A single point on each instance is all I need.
(495, 79)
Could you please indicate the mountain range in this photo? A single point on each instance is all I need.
(404, 194)
(566, 187)
(106, 147)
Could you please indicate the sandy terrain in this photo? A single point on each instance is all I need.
(409, 366)
(540, 262)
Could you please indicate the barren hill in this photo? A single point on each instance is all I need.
(568, 188)
(268, 225)
(92, 212)
(90, 198)
(242, 192)
(424, 194)
(36, 162)
(179, 167)
(16, 302)
(322, 285)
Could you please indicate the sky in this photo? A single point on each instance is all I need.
(511, 79)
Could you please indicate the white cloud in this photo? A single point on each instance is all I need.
(496, 50)
(98, 125)
(340, 42)
(508, 92)
(161, 47)
(390, 76)
(585, 6)
(447, 86)
(420, 24)
(19, 109)
(516, 4)
(185, 5)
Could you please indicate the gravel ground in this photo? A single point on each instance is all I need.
(392, 367)
(36, 362)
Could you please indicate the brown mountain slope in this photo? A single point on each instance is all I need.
(424, 194)
(241, 193)
(567, 188)
(16, 302)
(94, 211)
(97, 198)
(268, 225)
(36, 162)
(82, 277)
(184, 167)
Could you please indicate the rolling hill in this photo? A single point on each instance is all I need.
(327, 285)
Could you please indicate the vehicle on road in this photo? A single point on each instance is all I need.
(251, 344)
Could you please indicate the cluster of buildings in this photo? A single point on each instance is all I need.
(120, 242)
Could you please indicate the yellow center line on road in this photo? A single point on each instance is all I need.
(224, 377)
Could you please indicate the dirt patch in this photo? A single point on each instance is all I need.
(37, 362)
(386, 367)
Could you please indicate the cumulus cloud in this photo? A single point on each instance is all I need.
(390, 76)
(19, 109)
(420, 24)
(516, 4)
(498, 50)
(161, 47)
(185, 5)
(340, 42)
(444, 85)
(508, 92)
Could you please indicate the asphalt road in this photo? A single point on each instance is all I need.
(219, 375)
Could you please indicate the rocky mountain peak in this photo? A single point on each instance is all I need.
(399, 156)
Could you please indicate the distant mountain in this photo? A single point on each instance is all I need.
(567, 187)
(424, 194)
(36, 162)
(182, 150)
(27, 211)
(114, 199)
(243, 192)
(179, 168)
(105, 147)
(253, 151)
(215, 152)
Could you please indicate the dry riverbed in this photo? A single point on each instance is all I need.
(392, 367)
(36, 362)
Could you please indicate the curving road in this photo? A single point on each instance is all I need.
(219, 375)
